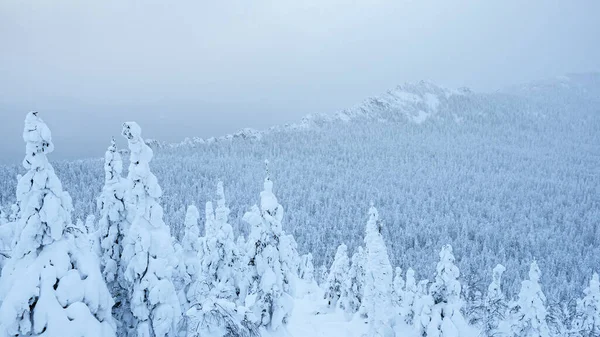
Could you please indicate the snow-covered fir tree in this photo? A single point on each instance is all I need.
(240, 243)
(306, 269)
(52, 285)
(323, 274)
(112, 227)
(270, 276)
(306, 273)
(91, 235)
(90, 224)
(398, 287)
(377, 298)
(188, 257)
(587, 321)
(446, 318)
(214, 294)
(407, 309)
(495, 307)
(147, 247)
(422, 309)
(528, 316)
(290, 262)
(219, 256)
(337, 276)
(354, 283)
(241, 279)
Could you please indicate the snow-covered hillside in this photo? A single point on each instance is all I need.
(503, 177)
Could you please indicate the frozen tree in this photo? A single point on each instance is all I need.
(240, 243)
(188, 257)
(354, 283)
(219, 259)
(90, 236)
(323, 274)
(446, 318)
(407, 309)
(495, 306)
(112, 227)
(214, 295)
(147, 247)
(398, 287)
(290, 262)
(422, 309)
(242, 268)
(337, 276)
(14, 208)
(270, 277)
(52, 284)
(587, 321)
(306, 270)
(377, 298)
(528, 317)
(90, 223)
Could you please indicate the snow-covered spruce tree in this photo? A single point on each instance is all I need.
(323, 274)
(528, 316)
(290, 262)
(50, 286)
(306, 273)
(147, 247)
(90, 223)
(354, 284)
(587, 321)
(377, 298)
(14, 208)
(306, 270)
(91, 236)
(495, 307)
(188, 257)
(407, 310)
(270, 279)
(242, 269)
(423, 309)
(337, 276)
(398, 287)
(112, 227)
(214, 295)
(446, 318)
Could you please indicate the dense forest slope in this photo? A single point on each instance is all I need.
(503, 177)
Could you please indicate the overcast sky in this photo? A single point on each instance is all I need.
(206, 68)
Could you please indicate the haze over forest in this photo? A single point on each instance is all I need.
(206, 69)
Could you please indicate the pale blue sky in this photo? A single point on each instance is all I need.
(206, 68)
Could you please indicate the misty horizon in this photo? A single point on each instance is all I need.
(205, 69)
(155, 125)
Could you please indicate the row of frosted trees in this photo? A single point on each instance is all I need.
(362, 286)
(126, 275)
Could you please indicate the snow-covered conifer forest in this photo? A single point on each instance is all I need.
(424, 211)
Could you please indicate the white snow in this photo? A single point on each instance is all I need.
(52, 285)
(147, 247)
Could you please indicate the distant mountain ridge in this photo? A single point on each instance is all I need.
(414, 103)
(410, 102)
